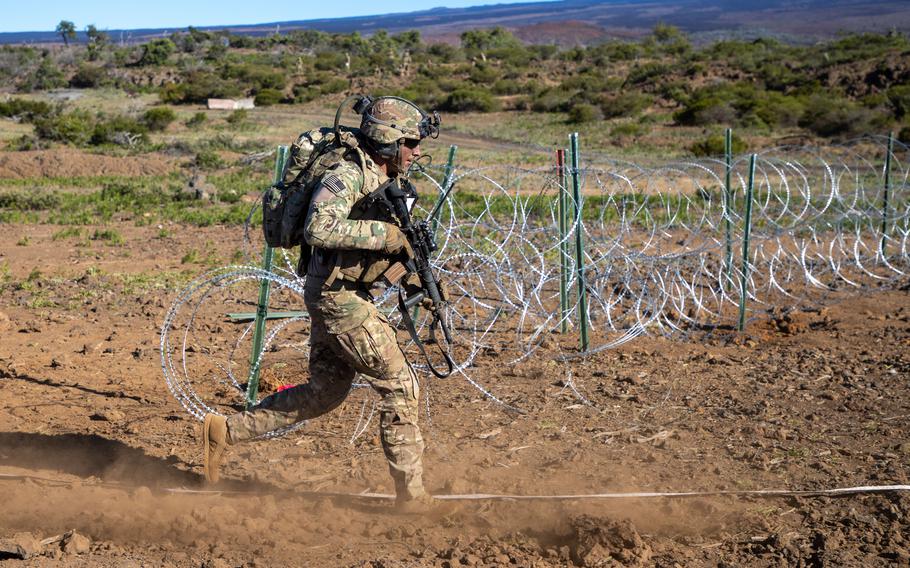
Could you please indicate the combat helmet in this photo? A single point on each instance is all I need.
(386, 120)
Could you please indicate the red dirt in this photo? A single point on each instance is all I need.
(810, 400)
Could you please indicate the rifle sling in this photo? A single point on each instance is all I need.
(409, 323)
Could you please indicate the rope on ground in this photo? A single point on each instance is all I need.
(835, 492)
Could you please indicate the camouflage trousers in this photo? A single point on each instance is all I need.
(348, 335)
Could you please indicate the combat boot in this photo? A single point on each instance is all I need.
(215, 441)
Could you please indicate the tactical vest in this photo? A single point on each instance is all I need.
(363, 266)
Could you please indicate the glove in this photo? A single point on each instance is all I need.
(412, 286)
(396, 242)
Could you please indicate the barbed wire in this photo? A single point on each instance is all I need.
(662, 254)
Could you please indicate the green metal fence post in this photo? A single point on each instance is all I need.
(262, 307)
(579, 246)
(563, 244)
(449, 172)
(887, 191)
(728, 204)
(747, 230)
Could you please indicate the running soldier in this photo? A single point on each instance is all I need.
(354, 247)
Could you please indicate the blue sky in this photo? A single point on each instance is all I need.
(21, 16)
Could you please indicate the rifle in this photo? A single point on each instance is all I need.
(398, 195)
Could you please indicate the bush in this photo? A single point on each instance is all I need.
(483, 74)
(508, 87)
(333, 86)
(71, 128)
(157, 51)
(583, 112)
(237, 117)
(628, 130)
(196, 120)
(198, 87)
(904, 135)
(158, 118)
(899, 98)
(329, 61)
(24, 109)
(829, 117)
(46, 76)
(462, 100)
(549, 100)
(714, 146)
(120, 130)
(700, 111)
(208, 160)
(89, 76)
(255, 77)
(625, 104)
(268, 97)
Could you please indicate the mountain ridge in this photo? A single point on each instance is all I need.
(807, 21)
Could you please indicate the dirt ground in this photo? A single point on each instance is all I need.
(91, 441)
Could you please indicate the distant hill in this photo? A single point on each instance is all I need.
(569, 22)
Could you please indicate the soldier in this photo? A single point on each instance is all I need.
(353, 248)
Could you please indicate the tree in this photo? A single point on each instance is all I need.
(96, 41)
(67, 31)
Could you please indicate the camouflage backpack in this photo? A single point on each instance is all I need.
(285, 204)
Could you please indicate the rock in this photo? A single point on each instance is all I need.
(110, 415)
(215, 563)
(21, 545)
(75, 543)
(604, 542)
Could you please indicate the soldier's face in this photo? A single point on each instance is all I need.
(409, 150)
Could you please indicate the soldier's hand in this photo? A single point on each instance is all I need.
(443, 290)
(396, 242)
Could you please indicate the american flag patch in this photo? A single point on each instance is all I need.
(333, 183)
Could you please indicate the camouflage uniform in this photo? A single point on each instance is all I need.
(348, 333)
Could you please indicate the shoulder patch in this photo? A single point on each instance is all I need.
(333, 183)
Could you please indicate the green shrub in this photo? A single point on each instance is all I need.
(583, 112)
(483, 74)
(329, 61)
(157, 51)
(71, 128)
(158, 118)
(468, 99)
(25, 109)
(255, 77)
(46, 76)
(508, 87)
(196, 120)
(899, 98)
(625, 104)
(628, 130)
(31, 201)
(208, 160)
(332, 86)
(702, 111)
(645, 73)
(111, 236)
(89, 76)
(833, 117)
(120, 130)
(268, 97)
(776, 109)
(198, 87)
(714, 145)
(238, 117)
(904, 135)
(549, 100)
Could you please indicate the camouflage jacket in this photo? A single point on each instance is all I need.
(348, 240)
